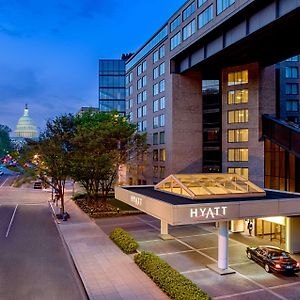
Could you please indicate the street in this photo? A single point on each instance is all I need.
(34, 263)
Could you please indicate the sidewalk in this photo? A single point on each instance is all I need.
(106, 272)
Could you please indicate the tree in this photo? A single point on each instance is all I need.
(103, 141)
(53, 153)
(5, 144)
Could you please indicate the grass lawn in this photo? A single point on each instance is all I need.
(121, 205)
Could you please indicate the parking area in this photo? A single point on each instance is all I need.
(195, 246)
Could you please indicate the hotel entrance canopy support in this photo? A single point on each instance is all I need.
(183, 199)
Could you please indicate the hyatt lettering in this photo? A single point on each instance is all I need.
(207, 212)
(136, 200)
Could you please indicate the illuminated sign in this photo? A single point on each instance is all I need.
(136, 200)
(208, 212)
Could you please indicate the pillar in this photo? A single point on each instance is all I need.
(163, 227)
(288, 235)
(223, 245)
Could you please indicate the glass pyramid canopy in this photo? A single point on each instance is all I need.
(218, 185)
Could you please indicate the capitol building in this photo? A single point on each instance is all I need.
(26, 127)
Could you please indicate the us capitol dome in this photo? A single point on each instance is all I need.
(26, 127)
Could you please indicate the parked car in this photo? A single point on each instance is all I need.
(38, 185)
(273, 259)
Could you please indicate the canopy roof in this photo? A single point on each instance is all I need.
(197, 186)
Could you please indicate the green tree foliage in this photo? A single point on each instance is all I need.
(5, 145)
(103, 141)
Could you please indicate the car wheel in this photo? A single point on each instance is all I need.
(267, 268)
(249, 255)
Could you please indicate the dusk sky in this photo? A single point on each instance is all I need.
(50, 50)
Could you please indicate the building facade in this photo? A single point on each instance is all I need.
(112, 85)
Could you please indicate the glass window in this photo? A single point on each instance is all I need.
(155, 105)
(144, 125)
(291, 88)
(130, 77)
(155, 171)
(139, 84)
(155, 155)
(127, 79)
(130, 102)
(237, 135)
(139, 112)
(188, 11)
(155, 122)
(291, 72)
(155, 73)
(236, 78)
(155, 89)
(155, 138)
(144, 96)
(238, 116)
(162, 171)
(130, 90)
(292, 105)
(130, 116)
(139, 98)
(162, 69)
(175, 23)
(162, 86)
(162, 120)
(189, 29)
(144, 80)
(294, 58)
(162, 51)
(240, 171)
(237, 97)
(162, 154)
(223, 4)
(162, 103)
(139, 70)
(162, 137)
(175, 40)
(237, 154)
(201, 2)
(139, 126)
(144, 110)
(205, 17)
(144, 66)
(155, 56)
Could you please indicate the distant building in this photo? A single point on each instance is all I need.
(87, 108)
(112, 85)
(26, 127)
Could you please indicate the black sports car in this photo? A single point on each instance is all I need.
(273, 259)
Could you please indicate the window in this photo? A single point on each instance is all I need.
(291, 89)
(144, 110)
(144, 81)
(237, 97)
(139, 126)
(130, 90)
(240, 171)
(144, 96)
(144, 125)
(162, 69)
(155, 106)
(291, 72)
(139, 84)
(175, 23)
(155, 56)
(155, 155)
(201, 2)
(155, 138)
(188, 30)
(162, 171)
(237, 154)
(237, 135)
(223, 4)
(130, 77)
(188, 11)
(155, 171)
(162, 137)
(236, 78)
(205, 17)
(144, 66)
(238, 116)
(139, 70)
(130, 116)
(155, 122)
(155, 73)
(162, 103)
(162, 51)
(127, 79)
(292, 105)
(162, 154)
(139, 112)
(162, 120)
(175, 40)
(139, 98)
(155, 89)
(294, 58)
(162, 86)
(130, 102)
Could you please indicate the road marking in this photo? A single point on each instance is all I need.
(4, 182)
(193, 271)
(176, 252)
(238, 294)
(11, 220)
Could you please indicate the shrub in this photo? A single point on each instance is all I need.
(169, 280)
(123, 240)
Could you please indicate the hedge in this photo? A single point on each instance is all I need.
(123, 240)
(174, 284)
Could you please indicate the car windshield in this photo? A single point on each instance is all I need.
(278, 255)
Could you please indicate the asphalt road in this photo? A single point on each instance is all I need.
(34, 263)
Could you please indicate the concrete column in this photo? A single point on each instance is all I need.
(288, 235)
(163, 227)
(223, 245)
